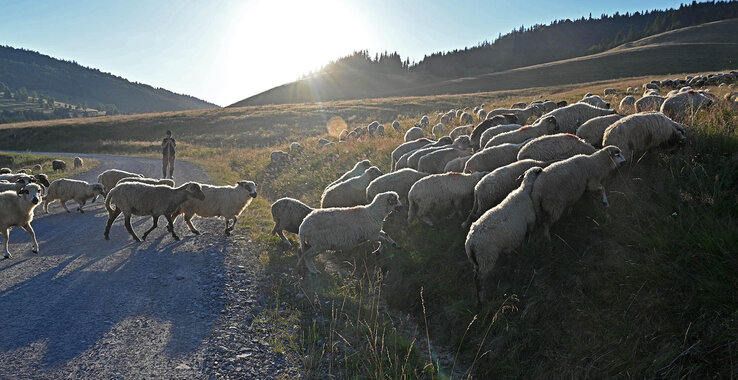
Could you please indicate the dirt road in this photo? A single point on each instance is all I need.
(91, 308)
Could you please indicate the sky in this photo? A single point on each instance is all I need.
(227, 50)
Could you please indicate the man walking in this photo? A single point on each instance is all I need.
(167, 146)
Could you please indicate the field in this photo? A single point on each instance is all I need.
(645, 288)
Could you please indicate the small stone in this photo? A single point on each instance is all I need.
(180, 277)
(182, 366)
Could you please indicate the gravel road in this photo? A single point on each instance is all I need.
(85, 307)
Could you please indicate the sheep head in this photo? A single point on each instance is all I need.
(250, 186)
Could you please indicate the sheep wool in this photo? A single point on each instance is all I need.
(593, 129)
(110, 178)
(638, 133)
(408, 147)
(435, 161)
(18, 212)
(446, 193)
(596, 101)
(414, 133)
(554, 147)
(226, 202)
(399, 181)
(457, 164)
(684, 105)
(491, 158)
(569, 118)
(359, 168)
(288, 214)
(351, 192)
(65, 189)
(414, 157)
(488, 134)
(627, 104)
(649, 103)
(78, 162)
(460, 131)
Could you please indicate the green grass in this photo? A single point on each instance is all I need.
(16, 161)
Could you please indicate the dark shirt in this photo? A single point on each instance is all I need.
(168, 149)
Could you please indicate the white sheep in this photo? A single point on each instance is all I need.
(460, 131)
(399, 181)
(78, 162)
(545, 126)
(344, 228)
(438, 130)
(522, 114)
(151, 181)
(495, 186)
(491, 158)
(65, 189)
(446, 193)
(324, 142)
(133, 198)
(413, 157)
(110, 178)
(5, 171)
(379, 131)
(610, 91)
(457, 164)
(593, 129)
(226, 202)
(554, 147)
(466, 118)
(396, 126)
(491, 132)
(359, 168)
(685, 104)
(38, 168)
(561, 184)
(295, 148)
(278, 157)
(638, 133)
(58, 165)
(13, 186)
(481, 114)
(519, 105)
(649, 103)
(435, 161)
(569, 118)
(17, 211)
(424, 121)
(596, 101)
(407, 147)
(414, 133)
(288, 214)
(343, 136)
(501, 229)
(351, 192)
(627, 104)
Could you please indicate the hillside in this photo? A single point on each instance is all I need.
(72, 83)
(659, 54)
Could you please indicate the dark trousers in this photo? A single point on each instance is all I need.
(167, 159)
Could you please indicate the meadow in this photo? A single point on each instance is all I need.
(645, 288)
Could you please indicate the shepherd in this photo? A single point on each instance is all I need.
(167, 146)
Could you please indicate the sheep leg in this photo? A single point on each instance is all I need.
(46, 206)
(479, 286)
(6, 239)
(385, 238)
(31, 232)
(604, 196)
(170, 227)
(188, 221)
(111, 219)
(64, 204)
(229, 229)
(153, 226)
(129, 228)
(546, 231)
(284, 239)
(307, 258)
(80, 204)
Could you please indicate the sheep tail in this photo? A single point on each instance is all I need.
(107, 204)
(412, 209)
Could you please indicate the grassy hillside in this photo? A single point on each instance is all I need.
(645, 288)
(661, 54)
(71, 83)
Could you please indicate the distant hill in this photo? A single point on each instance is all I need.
(71, 83)
(529, 50)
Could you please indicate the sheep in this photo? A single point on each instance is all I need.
(324, 142)
(410, 159)
(450, 193)
(627, 104)
(17, 211)
(640, 132)
(359, 132)
(595, 101)
(685, 104)
(41, 179)
(501, 230)
(458, 113)
(610, 91)
(227, 202)
(38, 168)
(491, 158)
(522, 114)
(408, 147)
(295, 148)
(495, 186)
(460, 131)
(424, 121)
(651, 86)
(457, 164)
(593, 129)
(288, 213)
(489, 123)
(434, 162)
(466, 118)
(554, 147)
(396, 126)
(66, 189)
(650, 92)
(438, 130)
(482, 114)
(372, 127)
(548, 106)
(111, 177)
(344, 228)
(400, 182)
(359, 168)
(414, 133)
(142, 199)
(343, 136)
(561, 184)
(649, 103)
(151, 181)
(24, 171)
(379, 131)
(351, 192)
(546, 126)
(278, 157)
(519, 105)
(58, 165)
(494, 131)
(569, 118)
(78, 162)
(5, 171)
(561, 104)
(13, 186)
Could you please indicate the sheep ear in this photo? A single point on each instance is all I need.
(22, 191)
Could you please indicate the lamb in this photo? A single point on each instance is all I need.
(344, 228)
(58, 165)
(295, 148)
(460, 131)
(494, 131)
(627, 105)
(142, 199)
(151, 181)
(38, 168)
(66, 189)
(438, 130)
(278, 157)
(111, 177)
(5, 171)
(495, 186)
(560, 185)
(413, 157)
(288, 214)
(466, 118)
(546, 126)
(219, 201)
(414, 133)
(501, 230)
(649, 103)
(569, 118)
(434, 162)
(491, 158)
(351, 192)
(610, 91)
(396, 126)
(457, 164)
(522, 115)
(400, 182)
(17, 211)
(489, 123)
(595, 101)
(441, 193)
(359, 168)
(554, 147)
(593, 130)
(78, 162)
(640, 132)
(684, 104)
(408, 147)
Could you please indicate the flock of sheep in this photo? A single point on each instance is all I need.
(124, 192)
(502, 176)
